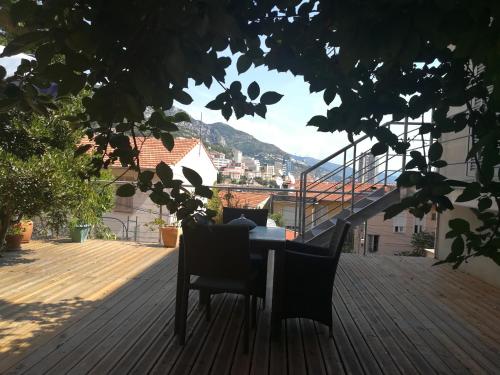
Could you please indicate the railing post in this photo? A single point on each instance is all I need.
(405, 139)
(161, 218)
(135, 229)
(386, 166)
(296, 209)
(304, 199)
(343, 180)
(128, 226)
(365, 236)
(353, 177)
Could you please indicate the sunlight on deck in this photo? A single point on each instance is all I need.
(49, 284)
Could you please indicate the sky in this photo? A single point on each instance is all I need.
(285, 122)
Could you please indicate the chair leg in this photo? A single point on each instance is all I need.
(246, 318)
(254, 311)
(208, 311)
(184, 310)
(204, 297)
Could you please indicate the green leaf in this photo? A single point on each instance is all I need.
(3, 72)
(253, 90)
(393, 210)
(457, 246)
(215, 104)
(182, 117)
(146, 176)
(192, 176)
(125, 190)
(329, 95)
(165, 173)
(82, 149)
(160, 198)
(270, 97)
(261, 110)
(484, 203)
(459, 225)
(203, 191)
(243, 64)
(319, 121)
(25, 42)
(235, 87)
(468, 195)
(379, 148)
(183, 97)
(168, 141)
(439, 164)
(227, 111)
(435, 151)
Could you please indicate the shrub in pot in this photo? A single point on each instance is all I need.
(14, 237)
(96, 198)
(169, 232)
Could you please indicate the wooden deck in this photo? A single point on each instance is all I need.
(107, 307)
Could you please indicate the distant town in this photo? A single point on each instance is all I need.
(245, 170)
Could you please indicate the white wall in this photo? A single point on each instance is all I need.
(199, 160)
(455, 149)
(481, 267)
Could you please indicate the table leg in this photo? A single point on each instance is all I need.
(277, 302)
(179, 290)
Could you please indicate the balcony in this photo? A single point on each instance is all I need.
(108, 307)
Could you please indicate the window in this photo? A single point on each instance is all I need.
(398, 222)
(418, 226)
(433, 216)
(373, 243)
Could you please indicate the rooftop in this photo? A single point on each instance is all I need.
(153, 151)
(108, 307)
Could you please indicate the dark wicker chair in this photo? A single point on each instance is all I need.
(309, 272)
(219, 257)
(257, 256)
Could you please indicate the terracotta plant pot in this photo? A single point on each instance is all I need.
(79, 233)
(13, 242)
(169, 236)
(27, 227)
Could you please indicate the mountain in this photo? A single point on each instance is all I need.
(222, 137)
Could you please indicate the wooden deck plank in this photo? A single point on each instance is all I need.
(409, 325)
(481, 349)
(453, 354)
(381, 313)
(116, 304)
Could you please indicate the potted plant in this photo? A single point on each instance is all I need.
(27, 229)
(78, 230)
(96, 198)
(169, 232)
(14, 237)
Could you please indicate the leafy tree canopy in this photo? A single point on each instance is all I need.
(380, 57)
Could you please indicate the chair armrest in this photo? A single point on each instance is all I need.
(306, 248)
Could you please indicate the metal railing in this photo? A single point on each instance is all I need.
(354, 184)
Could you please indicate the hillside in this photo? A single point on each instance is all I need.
(228, 137)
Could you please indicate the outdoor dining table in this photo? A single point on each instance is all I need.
(270, 238)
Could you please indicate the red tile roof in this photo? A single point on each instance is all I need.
(152, 150)
(243, 199)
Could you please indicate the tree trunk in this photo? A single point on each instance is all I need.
(5, 218)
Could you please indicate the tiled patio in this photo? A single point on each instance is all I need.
(107, 307)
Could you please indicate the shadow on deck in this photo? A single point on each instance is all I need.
(107, 307)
